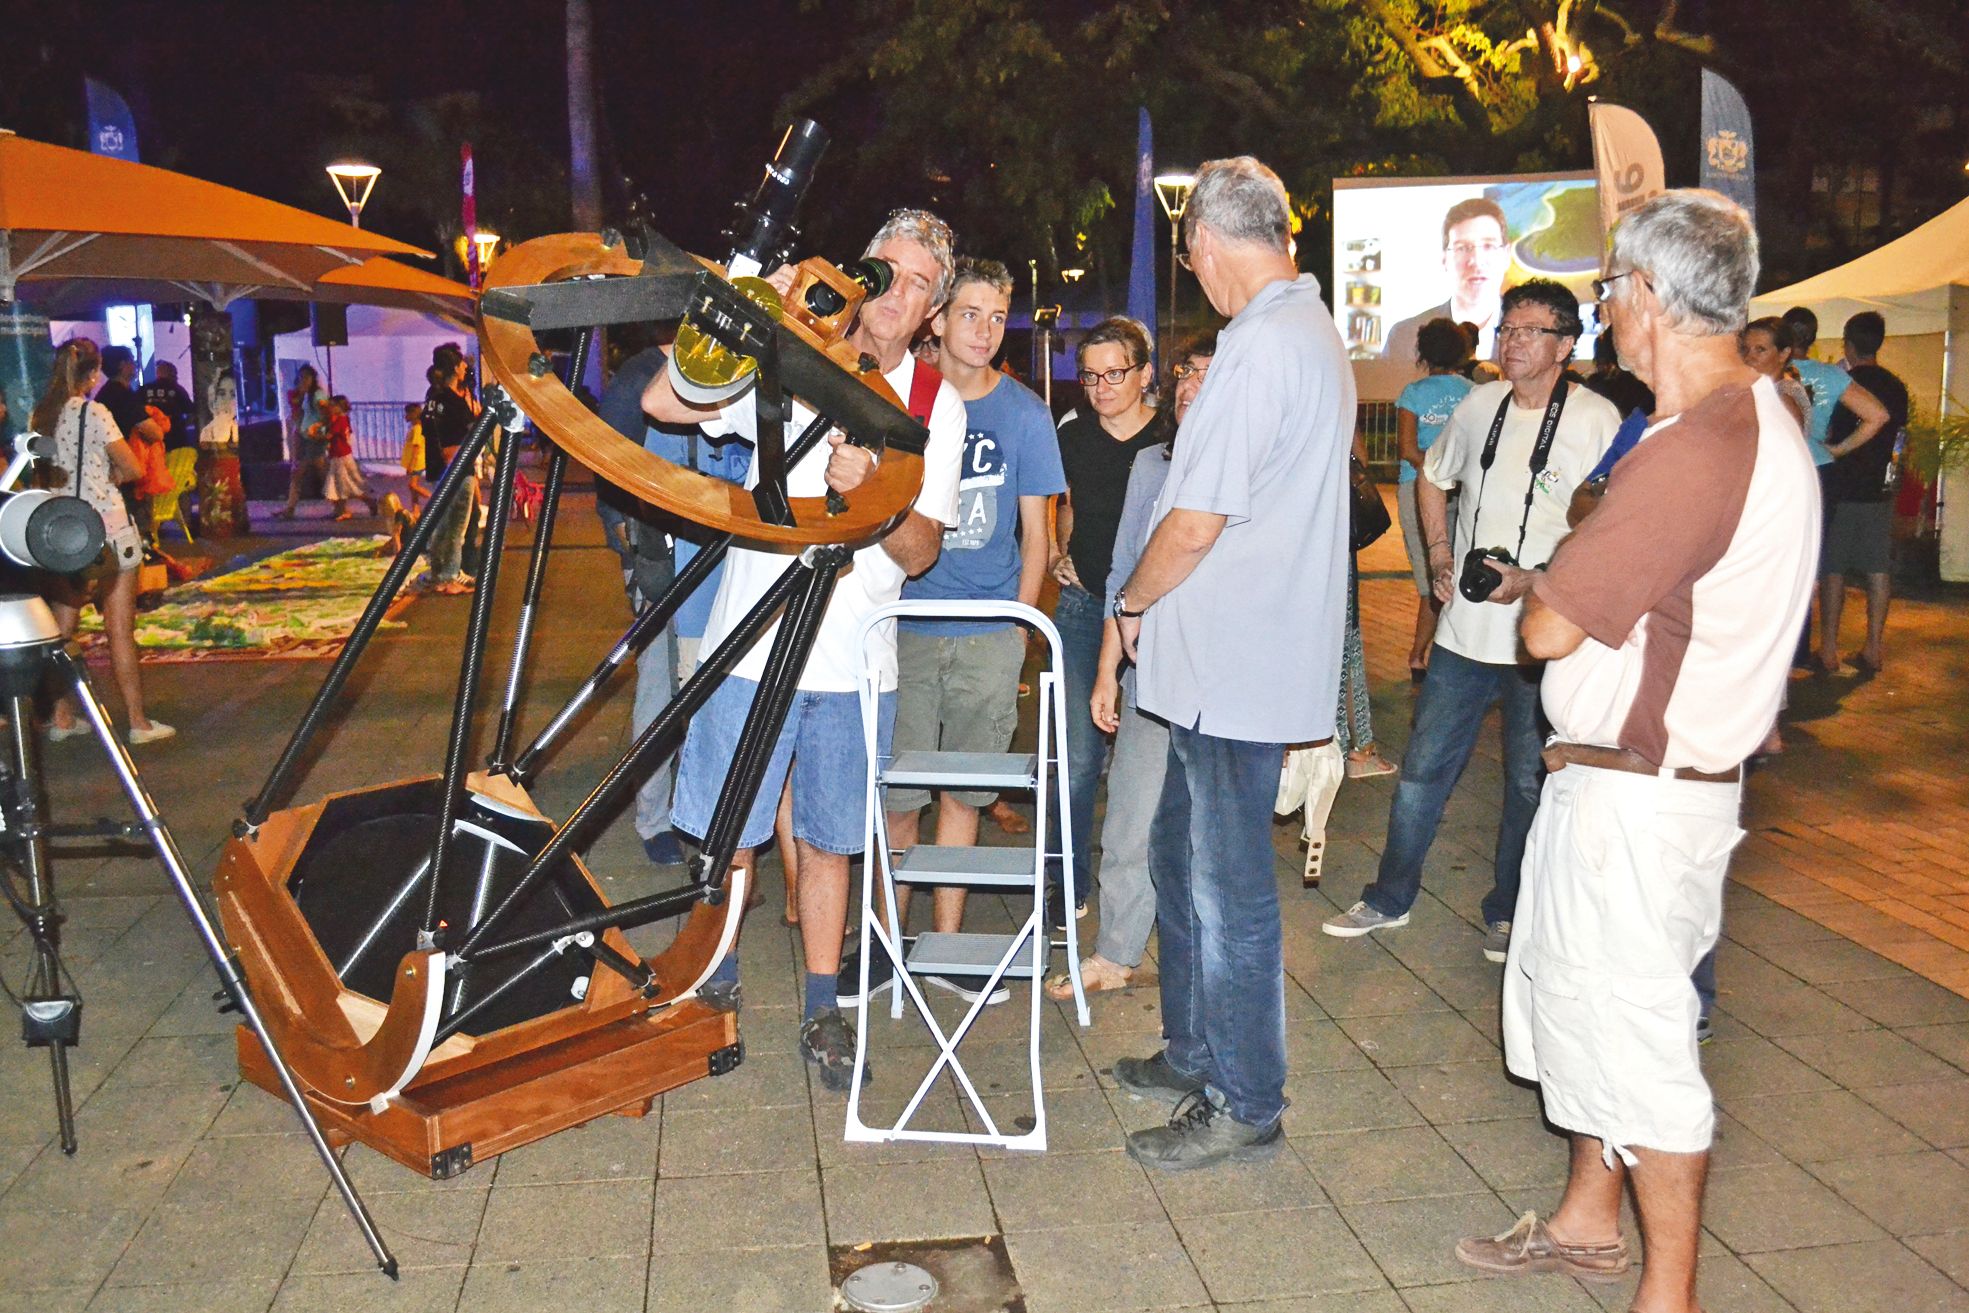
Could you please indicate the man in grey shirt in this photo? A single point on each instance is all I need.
(1238, 604)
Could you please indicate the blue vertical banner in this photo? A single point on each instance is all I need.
(111, 129)
(1141, 268)
(1729, 161)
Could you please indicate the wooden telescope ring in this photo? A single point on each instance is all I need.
(513, 354)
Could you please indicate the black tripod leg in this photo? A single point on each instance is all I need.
(152, 822)
(471, 665)
(45, 925)
(536, 572)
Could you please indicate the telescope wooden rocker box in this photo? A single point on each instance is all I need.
(432, 955)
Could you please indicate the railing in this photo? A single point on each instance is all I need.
(377, 429)
(1377, 426)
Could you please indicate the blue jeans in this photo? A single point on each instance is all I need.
(1456, 694)
(1222, 959)
(1080, 617)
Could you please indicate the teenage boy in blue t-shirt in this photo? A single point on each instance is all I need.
(958, 686)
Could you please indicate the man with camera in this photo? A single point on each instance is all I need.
(1517, 448)
(821, 747)
(1668, 618)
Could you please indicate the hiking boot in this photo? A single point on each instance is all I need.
(827, 1042)
(1201, 1134)
(1529, 1247)
(1154, 1079)
(1359, 920)
(1497, 941)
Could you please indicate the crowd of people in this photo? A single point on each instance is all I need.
(1622, 561)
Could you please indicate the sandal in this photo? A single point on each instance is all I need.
(1097, 976)
(1368, 763)
(1007, 819)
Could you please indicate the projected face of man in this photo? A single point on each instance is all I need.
(1475, 256)
(889, 322)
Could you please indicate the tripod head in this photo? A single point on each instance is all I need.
(28, 633)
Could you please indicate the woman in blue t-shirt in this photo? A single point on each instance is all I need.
(1421, 411)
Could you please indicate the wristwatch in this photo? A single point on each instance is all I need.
(1121, 611)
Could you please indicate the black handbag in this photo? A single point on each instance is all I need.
(1370, 514)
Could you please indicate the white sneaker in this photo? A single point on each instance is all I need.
(158, 730)
(57, 733)
(1359, 920)
(1497, 941)
(967, 993)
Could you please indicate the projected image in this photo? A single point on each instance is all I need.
(1406, 252)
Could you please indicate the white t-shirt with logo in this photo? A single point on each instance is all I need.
(1488, 631)
(872, 580)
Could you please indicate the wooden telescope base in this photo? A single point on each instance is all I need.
(442, 1128)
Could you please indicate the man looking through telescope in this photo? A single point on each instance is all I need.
(821, 744)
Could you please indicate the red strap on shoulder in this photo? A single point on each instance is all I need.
(923, 393)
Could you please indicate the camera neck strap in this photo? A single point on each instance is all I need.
(1541, 451)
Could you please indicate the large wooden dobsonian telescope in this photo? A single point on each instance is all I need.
(431, 955)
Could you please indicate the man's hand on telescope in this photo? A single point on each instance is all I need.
(849, 466)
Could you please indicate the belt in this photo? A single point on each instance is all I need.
(1558, 756)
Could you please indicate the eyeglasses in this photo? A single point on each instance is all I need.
(1464, 250)
(1111, 377)
(1182, 372)
(1525, 332)
(1601, 286)
(1183, 258)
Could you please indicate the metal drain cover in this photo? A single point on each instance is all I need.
(889, 1288)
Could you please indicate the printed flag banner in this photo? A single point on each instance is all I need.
(111, 129)
(1141, 268)
(1627, 159)
(1729, 161)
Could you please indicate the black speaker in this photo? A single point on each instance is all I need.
(331, 325)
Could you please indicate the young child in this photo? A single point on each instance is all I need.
(344, 482)
(413, 457)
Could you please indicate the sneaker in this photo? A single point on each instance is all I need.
(721, 995)
(1497, 941)
(1529, 1247)
(1201, 1134)
(1056, 913)
(827, 1042)
(663, 849)
(1359, 919)
(158, 730)
(1154, 1079)
(1704, 1031)
(57, 733)
(847, 981)
(969, 993)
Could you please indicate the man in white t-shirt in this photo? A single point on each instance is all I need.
(821, 746)
(1522, 510)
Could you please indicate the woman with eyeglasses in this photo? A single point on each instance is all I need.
(1098, 444)
(1141, 742)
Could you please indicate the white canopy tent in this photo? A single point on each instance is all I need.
(381, 369)
(1919, 284)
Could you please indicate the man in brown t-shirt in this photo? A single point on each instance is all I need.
(1668, 619)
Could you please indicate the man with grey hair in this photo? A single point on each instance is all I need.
(821, 746)
(1234, 612)
(1667, 618)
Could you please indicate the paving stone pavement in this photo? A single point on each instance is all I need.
(1841, 1063)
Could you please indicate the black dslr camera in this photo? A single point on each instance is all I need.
(1478, 581)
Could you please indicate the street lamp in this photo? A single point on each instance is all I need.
(354, 180)
(1173, 190)
(485, 242)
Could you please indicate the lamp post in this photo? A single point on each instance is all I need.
(1173, 190)
(485, 243)
(354, 180)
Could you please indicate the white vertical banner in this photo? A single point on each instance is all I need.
(1627, 159)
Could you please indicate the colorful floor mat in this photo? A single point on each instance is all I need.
(296, 604)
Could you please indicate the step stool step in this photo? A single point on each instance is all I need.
(999, 867)
(964, 770)
(973, 955)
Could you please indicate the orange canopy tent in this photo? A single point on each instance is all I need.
(67, 215)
